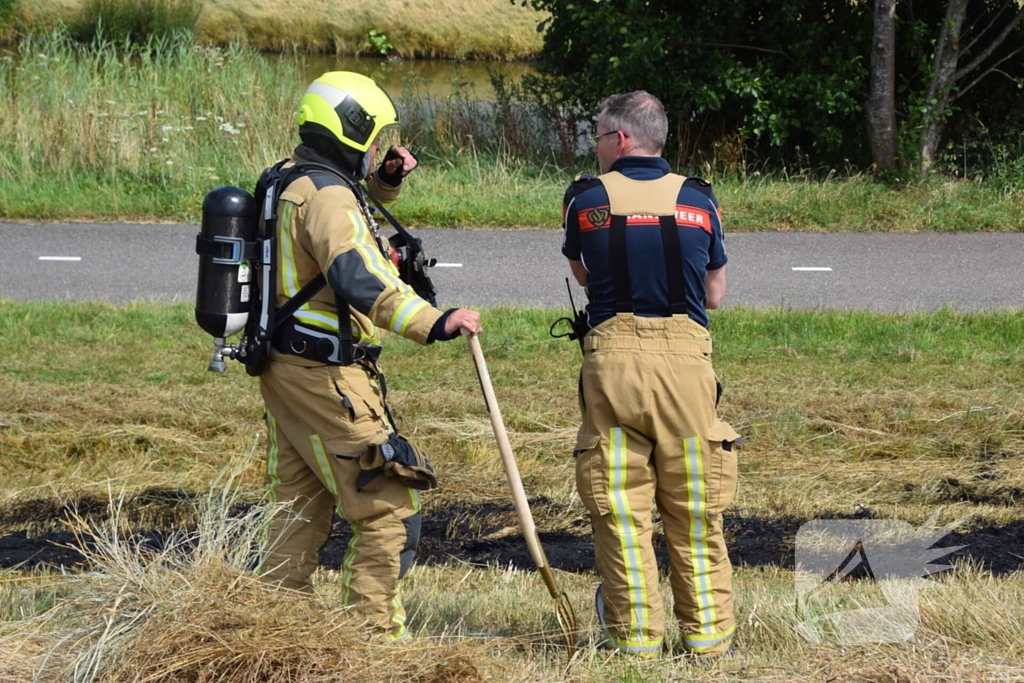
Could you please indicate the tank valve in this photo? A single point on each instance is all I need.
(217, 363)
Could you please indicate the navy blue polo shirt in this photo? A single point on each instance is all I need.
(587, 221)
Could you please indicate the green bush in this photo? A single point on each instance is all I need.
(7, 11)
(134, 20)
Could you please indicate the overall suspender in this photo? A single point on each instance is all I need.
(618, 260)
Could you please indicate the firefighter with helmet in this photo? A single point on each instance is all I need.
(323, 416)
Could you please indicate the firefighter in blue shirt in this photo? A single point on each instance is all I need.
(648, 246)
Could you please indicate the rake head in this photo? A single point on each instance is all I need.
(564, 612)
(567, 622)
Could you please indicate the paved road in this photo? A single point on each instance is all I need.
(875, 271)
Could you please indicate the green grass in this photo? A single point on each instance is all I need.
(106, 133)
(124, 395)
(134, 20)
(858, 203)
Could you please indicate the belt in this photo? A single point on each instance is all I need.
(317, 345)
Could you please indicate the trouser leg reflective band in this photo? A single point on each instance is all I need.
(371, 570)
(630, 604)
(301, 519)
(710, 568)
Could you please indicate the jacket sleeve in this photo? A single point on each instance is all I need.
(385, 194)
(348, 253)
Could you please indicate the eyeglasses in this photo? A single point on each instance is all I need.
(594, 139)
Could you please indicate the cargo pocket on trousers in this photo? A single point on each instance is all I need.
(722, 445)
(355, 505)
(356, 421)
(592, 474)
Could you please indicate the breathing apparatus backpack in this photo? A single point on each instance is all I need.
(234, 245)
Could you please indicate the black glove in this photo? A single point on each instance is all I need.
(398, 459)
(437, 332)
(393, 179)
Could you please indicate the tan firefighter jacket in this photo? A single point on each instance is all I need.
(323, 227)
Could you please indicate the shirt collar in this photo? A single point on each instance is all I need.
(652, 163)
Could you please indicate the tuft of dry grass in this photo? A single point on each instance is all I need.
(193, 612)
(237, 630)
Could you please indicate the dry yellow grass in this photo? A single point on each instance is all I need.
(191, 612)
(496, 29)
(201, 618)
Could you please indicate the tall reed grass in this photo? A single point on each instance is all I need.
(134, 20)
(126, 125)
(145, 129)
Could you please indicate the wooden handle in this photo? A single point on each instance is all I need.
(507, 458)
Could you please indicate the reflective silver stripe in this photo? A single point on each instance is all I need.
(346, 565)
(629, 536)
(699, 550)
(643, 647)
(699, 643)
(329, 93)
(273, 478)
(398, 618)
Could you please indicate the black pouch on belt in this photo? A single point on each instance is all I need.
(398, 459)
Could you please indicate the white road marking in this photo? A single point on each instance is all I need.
(60, 258)
(447, 265)
(816, 269)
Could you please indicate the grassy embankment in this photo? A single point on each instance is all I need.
(488, 29)
(91, 134)
(898, 414)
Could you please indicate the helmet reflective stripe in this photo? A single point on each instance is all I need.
(329, 93)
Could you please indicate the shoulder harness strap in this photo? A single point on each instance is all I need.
(618, 258)
(275, 317)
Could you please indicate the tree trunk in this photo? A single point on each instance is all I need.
(881, 102)
(936, 99)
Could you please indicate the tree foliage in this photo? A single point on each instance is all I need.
(786, 78)
(784, 73)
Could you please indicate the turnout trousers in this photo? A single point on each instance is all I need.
(320, 420)
(650, 434)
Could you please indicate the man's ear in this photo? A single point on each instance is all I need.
(622, 140)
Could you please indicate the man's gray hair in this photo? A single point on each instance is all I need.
(640, 115)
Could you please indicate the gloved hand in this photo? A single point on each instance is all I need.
(398, 459)
(398, 163)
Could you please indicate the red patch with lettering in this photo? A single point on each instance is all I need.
(642, 219)
(693, 217)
